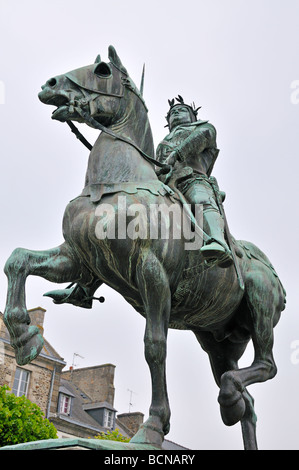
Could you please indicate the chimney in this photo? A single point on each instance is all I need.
(97, 381)
(37, 316)
(132, 421)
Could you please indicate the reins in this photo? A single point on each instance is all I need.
(102, 128)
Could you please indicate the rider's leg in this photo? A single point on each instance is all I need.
(200, 192)
(215, 247)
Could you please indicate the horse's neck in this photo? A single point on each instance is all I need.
(112, 160)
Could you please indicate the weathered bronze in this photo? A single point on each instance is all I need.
(192, 144)
(171, 286)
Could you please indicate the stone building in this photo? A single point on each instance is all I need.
(79, 402)
(38, 381)
(86, 404)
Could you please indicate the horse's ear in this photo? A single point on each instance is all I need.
(115, 60)
(98, 59)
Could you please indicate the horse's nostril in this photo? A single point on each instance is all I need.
(52, 82)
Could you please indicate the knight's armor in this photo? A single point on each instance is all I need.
(193, 145)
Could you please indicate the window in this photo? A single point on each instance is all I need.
(20, 385)
(108, 419)
(65, 404)
(2, 352)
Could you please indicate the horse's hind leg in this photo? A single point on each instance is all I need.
(55, 265)
(153, 286)
(224, 356)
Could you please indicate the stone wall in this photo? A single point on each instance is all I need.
(44, 373)
(41, 387)
(8, 366)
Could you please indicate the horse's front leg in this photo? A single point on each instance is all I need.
(154, 289)
(265, 300)
(224, 356)
(55, 265)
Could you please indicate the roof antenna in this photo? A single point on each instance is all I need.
(76, 354)
(142, 80)
(130, 402)
(73, 365)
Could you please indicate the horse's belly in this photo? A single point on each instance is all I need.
(203, 296)
(206, 298)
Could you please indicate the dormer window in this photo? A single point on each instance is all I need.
(108, 418)
(102, 412)
(65, 404)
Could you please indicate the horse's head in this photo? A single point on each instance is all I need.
(96, 89)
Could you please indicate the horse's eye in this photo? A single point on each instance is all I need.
(102, 70)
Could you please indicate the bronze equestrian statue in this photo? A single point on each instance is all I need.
(171, 286)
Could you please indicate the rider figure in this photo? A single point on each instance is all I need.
(192, 143)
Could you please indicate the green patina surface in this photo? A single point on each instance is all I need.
(90, 444)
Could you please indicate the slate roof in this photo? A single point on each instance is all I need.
(79, 399)
(81, 402)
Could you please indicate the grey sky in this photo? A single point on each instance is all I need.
(238, 60)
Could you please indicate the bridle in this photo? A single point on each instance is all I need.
(77, 106)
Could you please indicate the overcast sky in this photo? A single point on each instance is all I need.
(237, 59)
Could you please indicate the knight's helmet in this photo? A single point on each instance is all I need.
(180, 102)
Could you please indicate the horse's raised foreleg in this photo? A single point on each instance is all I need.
(224, 356)
(56, 265)
(231, 397)
(154, 289)
(265, 300)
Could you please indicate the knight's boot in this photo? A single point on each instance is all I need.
(78, 295)
(216, 247)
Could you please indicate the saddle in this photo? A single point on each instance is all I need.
(97, 190)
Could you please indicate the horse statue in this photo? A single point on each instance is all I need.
(169, 285)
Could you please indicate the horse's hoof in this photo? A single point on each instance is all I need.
(232, 404)
(149, 433)
(28, 349)
(232, 414)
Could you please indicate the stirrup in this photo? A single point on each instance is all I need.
(217, 252)
(71, 296)
(213, 250)
(226, 261)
